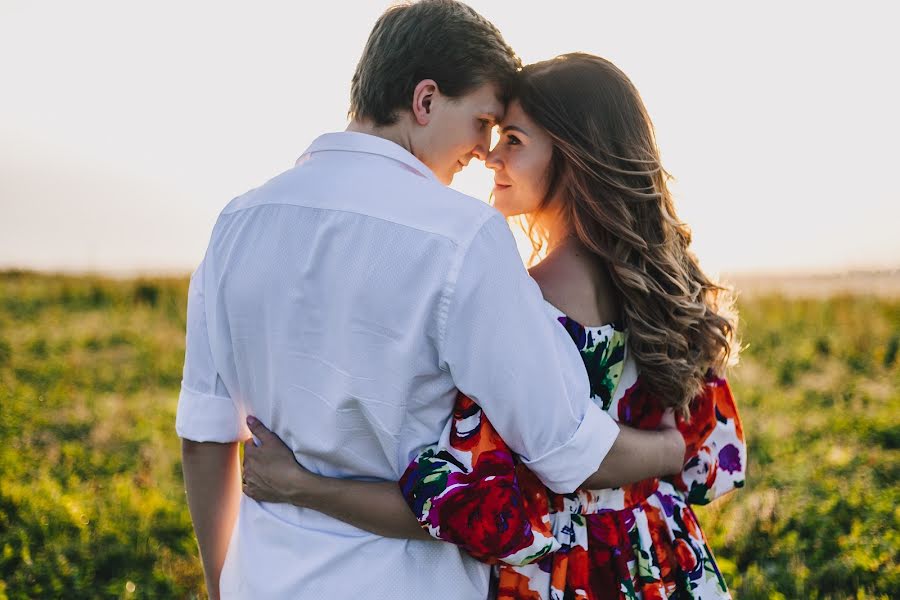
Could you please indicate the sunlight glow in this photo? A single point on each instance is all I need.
(119, 145)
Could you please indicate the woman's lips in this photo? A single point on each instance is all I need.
(499, 187)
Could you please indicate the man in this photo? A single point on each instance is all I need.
(345, 301)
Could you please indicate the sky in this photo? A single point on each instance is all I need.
(126, 127)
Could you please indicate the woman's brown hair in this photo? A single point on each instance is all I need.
(606, 167)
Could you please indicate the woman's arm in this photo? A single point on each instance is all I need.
(272, 474)
(442, 492)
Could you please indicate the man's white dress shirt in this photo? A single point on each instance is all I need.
(343, 303)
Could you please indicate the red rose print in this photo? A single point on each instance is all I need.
(639, 408)
(662, 545)
(636, 493)
(513, 586)
(724, 401)
(471, 429)
(604, 531)
(687, 559)
(534, 496)
(701, 424)
(486, 515)
(693, 530)
(579, 569)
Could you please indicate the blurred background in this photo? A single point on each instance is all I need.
(126, 127)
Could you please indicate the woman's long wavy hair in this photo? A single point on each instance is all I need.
(605, 167)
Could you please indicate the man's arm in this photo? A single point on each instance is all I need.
(212, 478)
(636, 455)
(210, 426)
(504, 352)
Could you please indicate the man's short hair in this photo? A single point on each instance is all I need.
(442, 40)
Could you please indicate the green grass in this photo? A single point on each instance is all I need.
(90, 476)
(819, 391)
(92, 504)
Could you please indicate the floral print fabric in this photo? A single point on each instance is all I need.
(639, 541)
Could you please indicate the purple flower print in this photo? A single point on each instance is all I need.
(730, 459)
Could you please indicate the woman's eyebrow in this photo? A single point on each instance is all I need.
(512, 128)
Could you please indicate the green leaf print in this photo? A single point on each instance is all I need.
(604, 361)
(627, 589)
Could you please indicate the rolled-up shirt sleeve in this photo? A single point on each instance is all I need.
(504, 352)
(206, 411)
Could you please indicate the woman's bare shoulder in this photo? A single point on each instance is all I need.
(573, 288)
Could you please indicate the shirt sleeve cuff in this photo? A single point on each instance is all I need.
(565, 468)
(208, 418)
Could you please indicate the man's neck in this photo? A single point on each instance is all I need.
(394, 133)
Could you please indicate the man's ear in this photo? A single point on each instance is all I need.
(423, 97)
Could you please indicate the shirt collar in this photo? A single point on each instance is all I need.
(353, 141)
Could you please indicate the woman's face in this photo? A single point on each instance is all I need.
(520, 161)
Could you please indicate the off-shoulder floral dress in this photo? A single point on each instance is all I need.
(639, 541)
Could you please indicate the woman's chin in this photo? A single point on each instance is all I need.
(503, 205)
(503, 210)
(508, 212)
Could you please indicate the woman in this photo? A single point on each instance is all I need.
(577, 157)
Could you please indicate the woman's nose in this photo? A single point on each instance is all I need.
(493, 161)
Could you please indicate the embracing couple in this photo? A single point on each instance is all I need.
(428, 418)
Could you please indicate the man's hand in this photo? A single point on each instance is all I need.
(271, 473)
(669, 427)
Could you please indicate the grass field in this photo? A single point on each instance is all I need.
(92, 504)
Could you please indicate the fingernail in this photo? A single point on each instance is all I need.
(251, 420)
